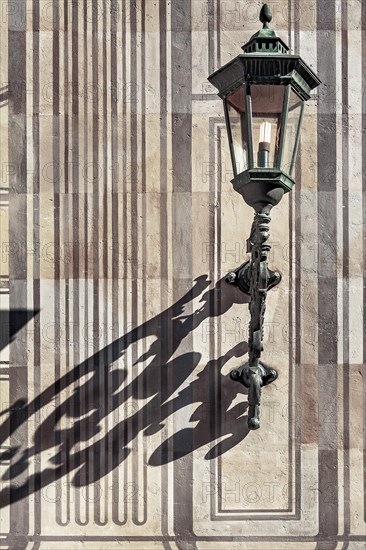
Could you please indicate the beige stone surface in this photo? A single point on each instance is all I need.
(119, 426)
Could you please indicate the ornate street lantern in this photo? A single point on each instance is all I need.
(264, 92)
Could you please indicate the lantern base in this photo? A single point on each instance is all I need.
(260, 187)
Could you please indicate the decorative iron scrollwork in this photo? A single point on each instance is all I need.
(255, 278)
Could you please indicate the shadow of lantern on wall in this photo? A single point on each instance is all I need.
(264, 92)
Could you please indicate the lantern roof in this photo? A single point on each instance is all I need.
(265, 61)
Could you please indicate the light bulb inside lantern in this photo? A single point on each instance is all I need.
(264, 144)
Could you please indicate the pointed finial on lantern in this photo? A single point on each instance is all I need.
(265, 15)
(265, 41)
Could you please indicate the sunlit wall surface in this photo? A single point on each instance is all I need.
(120, 427)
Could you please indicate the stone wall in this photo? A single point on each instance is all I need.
(120, 427)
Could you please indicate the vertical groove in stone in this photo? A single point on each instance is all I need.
(104, 191)
(63, 508)
(212, 376)
(115, 164)
(165, 327)
(291, 278)
(62, 516)
(95, 457)
(346, 273)
(75, 232)
(124, 26)
(215, 304)
(143, 419)
(85, 396)
(218, 33)
(363, 28)
(57, 170)
(117, 161)
(134, 243)
(36, 258)
(296, 479)
(210, 6)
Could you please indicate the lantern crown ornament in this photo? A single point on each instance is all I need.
(265, 40)
(264, 91)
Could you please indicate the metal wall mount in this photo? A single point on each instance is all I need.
(263, 87)
(255, 279)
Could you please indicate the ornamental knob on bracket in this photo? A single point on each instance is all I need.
(264, 91)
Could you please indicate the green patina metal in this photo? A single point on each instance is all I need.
(266, 61)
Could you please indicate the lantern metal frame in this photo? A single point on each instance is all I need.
(265, 61)
(254, 171)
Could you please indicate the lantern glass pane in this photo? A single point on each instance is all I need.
(292, 129)
(267, 104)
(237, 118)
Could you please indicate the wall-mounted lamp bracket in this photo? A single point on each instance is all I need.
(254, 377)
(240, 277)
(255, 279)
(264, 91)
